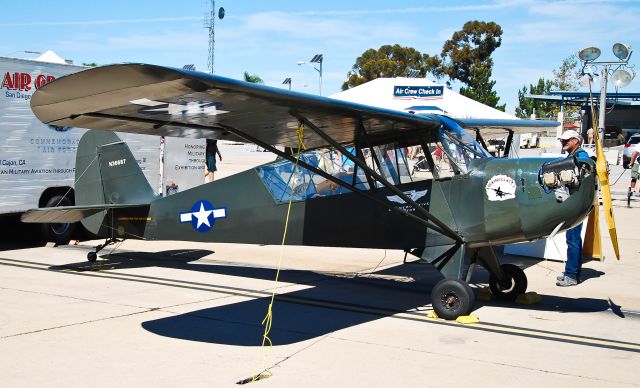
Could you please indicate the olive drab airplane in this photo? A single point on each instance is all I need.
(351, 186)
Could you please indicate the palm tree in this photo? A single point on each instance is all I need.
(253, 78)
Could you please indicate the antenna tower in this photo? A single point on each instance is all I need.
(209, 23)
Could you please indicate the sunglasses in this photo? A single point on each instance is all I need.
(563, 141)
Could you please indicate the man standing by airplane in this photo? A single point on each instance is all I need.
(211, 151)
(571, 141)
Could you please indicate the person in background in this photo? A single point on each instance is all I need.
(172, 188)
(211, 151)
(571, 142)
(635, 172)
(590, 136)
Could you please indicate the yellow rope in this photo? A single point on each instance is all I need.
(268, 319)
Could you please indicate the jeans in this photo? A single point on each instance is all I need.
(574, 252)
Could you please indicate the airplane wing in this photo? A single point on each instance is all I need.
(157, 100)
(498, 127)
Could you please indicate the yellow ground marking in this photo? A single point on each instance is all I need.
(340, 306)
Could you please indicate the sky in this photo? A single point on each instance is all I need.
(269, 38)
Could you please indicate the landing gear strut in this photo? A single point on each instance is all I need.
(93, 256)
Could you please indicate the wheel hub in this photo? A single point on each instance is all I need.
(507, 285)
(450, 300)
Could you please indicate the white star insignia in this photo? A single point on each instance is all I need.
(202, 216)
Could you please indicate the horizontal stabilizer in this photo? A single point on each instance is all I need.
(68, 214)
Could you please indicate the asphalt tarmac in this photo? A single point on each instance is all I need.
(166, 314)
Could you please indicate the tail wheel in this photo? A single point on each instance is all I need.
(58, 233)
(452, 298)
(515, 283)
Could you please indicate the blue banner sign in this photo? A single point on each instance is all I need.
(417, 92)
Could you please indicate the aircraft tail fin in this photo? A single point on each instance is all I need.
(108, 182)
(108, 173)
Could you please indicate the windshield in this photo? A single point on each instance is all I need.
(459, 146)
(452, 152)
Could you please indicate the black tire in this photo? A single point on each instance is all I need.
(452, 298)
(516, 279)
(58, 233)
(92, 256)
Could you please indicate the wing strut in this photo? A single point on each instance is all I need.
(507, 147)
(449, 232)
(435, 225)
(340, 182)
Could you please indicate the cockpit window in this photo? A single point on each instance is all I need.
(282, 182)
(451, 152)
(461, 148)
(389, 161)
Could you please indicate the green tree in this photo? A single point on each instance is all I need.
(466, 57)
(387, 61)
(253, 78)
(567, 76)
(480, 87)
(92, 64)
(468, 49)
(542, 109)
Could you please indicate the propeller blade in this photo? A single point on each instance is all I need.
(605, 190)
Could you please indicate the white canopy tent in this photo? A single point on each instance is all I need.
(419, 95)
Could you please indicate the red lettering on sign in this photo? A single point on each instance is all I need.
(22, 81)
(42, 80)
(7, 82)
(25, 81)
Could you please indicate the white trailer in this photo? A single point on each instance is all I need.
(37, 161)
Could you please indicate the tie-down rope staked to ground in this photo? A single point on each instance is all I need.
(268, 319)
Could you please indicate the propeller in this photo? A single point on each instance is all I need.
(605, 189)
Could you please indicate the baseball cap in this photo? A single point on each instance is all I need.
(570, 134)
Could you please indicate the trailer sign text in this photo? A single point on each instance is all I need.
(22, 82)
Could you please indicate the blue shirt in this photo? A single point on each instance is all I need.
(579, 153)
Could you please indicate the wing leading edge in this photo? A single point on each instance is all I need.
(149, 99)
(174, 102)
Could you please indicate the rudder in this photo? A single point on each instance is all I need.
(107, 173)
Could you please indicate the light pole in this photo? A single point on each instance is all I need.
(316, 59)
(287, 81)
(413, 73)
(619, 75)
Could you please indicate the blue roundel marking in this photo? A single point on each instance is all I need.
(202, 215)
(208, 208)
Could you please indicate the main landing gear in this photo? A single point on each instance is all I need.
(452, 298)
(93, 256)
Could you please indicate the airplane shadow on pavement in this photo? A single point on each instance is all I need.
(330, 303)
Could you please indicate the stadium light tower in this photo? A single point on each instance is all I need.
(621, 74)
(209, 23)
